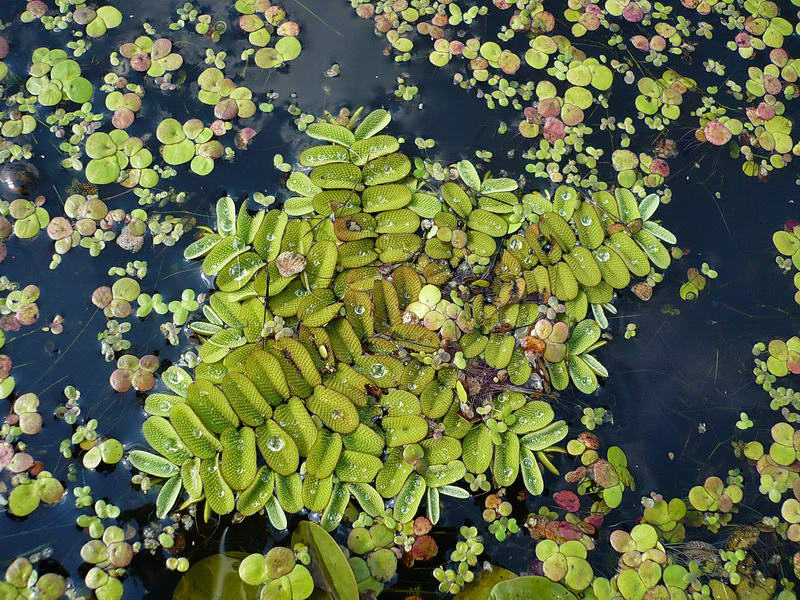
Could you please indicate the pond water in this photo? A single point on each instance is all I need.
(675, 390)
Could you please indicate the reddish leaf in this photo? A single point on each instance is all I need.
(567, 500)
(569, 532)
(422, 526)
(424, 548)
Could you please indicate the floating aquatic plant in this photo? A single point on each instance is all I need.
(22, 579)
(279, 572)
(134, 372)
(21, 125)
(155, 57)
(97, 21)
(190, 141)
(29, 218)
(399, 321)
(115, 153)
(27, 496)
(238, 255)
(124, 107)
(55, 77)
(27, 414)
(260, 29)
(228, 100)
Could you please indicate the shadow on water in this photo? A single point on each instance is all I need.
(680, 371)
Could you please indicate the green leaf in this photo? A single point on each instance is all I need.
(523, 588)
(373, 123)
(333, 572)
(582, 376)
(331, 132)
(201, 246)
(288, 47)
(660, 232)
(501, 184)
(177, 380)
(785, 242)
(79, 90)
(433, 505)
(454, 491)
(216, 576)
(226, 216)
(277, 517)
(167, 496)
(111, 16)
(584, 334)
(480, 588)
(152, 464)
(23, 500)
(469, 175)
(649, 205)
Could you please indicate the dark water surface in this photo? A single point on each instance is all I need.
(678, 372)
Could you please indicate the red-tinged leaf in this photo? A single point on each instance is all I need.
(424, 548)
(567, 500)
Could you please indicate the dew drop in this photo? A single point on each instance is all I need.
(377, 370)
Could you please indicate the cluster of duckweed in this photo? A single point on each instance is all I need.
(373, 560)
(278, 570)
(190, 141)
(54, 77)
(115, 301)
(88, 223)
(31, 491)
(18, 308)
(96, 21)
(787, 243)
(30, 483)
(656, 560)
(594, 417)
(125, 105)
(775, 459)
(109, 551)
(22, 580)
(117, 156)
(556, 69)
(315, 562)
(153, 57)
(29, 217)
(204, 23)
(716, 500)
(697, 279)
(114, 156)
(497, 513)
(464, 560)
(265, 23)
(133, 372)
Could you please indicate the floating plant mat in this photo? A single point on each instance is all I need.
(457, 345)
